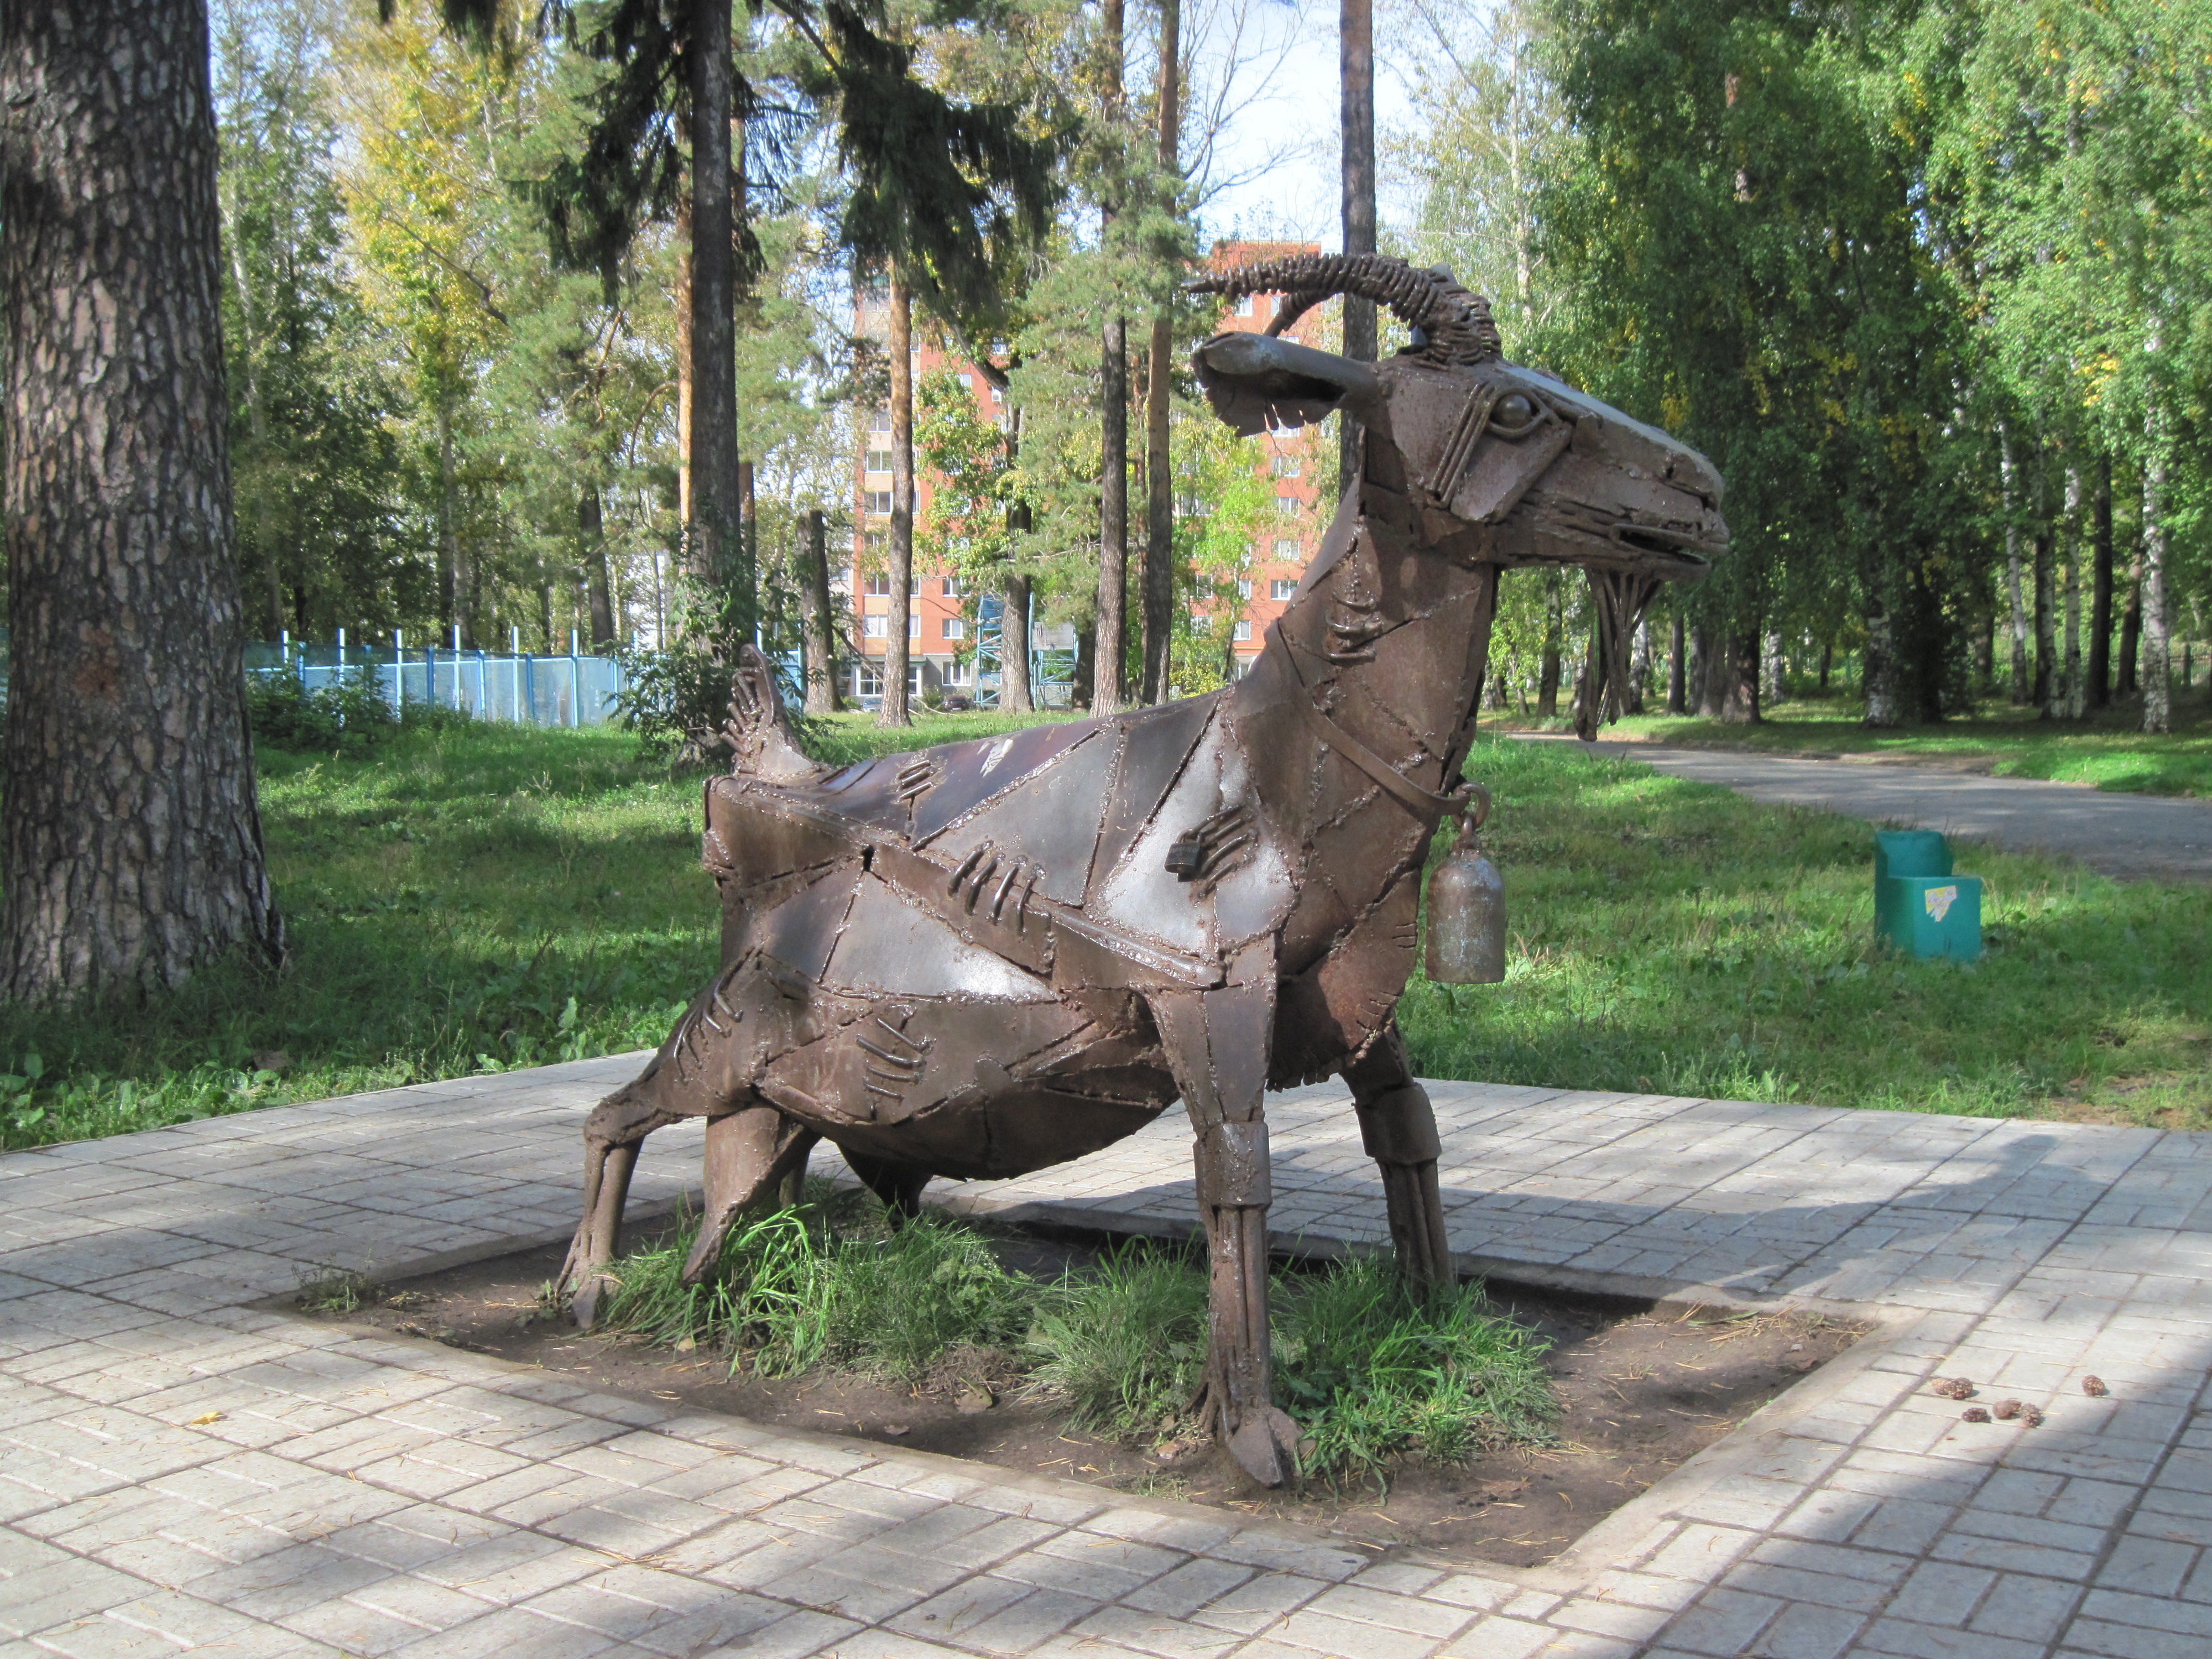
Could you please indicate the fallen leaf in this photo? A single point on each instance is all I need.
(205, 1417)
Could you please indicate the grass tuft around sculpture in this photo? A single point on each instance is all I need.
(1375, 1374)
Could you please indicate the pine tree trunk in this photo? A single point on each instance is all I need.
(1015, 693)
(711, 524)
(1355, 67)
(2100, 592)
(1773, 667)
(900, 350)
(130, 838)
(591, 529)
(1108, 689)
(1157, 579)
(815, 634)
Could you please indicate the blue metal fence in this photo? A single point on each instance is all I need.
(520, 687)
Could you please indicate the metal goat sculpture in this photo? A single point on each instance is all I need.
(994, 956)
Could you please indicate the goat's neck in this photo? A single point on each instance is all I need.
(1386, 636)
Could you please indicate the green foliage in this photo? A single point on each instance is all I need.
(1371, 1372)
(827, 1284)
(1667, 936)
(460, 899)
(1123, 1347)
(349, 717)
(1375, 1374)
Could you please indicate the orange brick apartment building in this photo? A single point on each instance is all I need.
(941, 623)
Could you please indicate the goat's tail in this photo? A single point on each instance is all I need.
(762, 742)
(1455, 326)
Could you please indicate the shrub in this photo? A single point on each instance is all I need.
(347, 717)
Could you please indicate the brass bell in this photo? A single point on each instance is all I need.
(1467, 909)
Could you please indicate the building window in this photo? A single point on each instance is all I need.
(1257, 305)
(968, 383)
(881, 420)
(913, 626)
(1187, 506)
(1284, 504)
(867, 680)
(1287, 466)
(959, 673)
(1244, 587)
(955, 627)
(1286, 550)
(875, 628)
(878, 585)
(1241, 632)
(879, 460)
(997, 394)
(953, 590)
(876, 501)
(1200, 623)
(1281, 588)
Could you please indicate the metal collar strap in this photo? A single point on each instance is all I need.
(1424, 803)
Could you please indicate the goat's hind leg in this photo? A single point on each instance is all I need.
(612, 1134)
(1398, 1127)
(752, 1153)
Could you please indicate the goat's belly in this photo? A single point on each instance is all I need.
(1012, 1133)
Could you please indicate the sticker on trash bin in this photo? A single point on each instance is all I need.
(1941, 899)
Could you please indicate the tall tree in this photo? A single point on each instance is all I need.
(1157, 586)
(1356, 68)
(130, 838)
(1109, 685)
(901, 352)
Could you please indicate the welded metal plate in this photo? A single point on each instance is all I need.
(968, 774)
(893, 947)
(1049, 822)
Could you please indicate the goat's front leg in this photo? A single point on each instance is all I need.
(1398, 1127)
(1216, 1045)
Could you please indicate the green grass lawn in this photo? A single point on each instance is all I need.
(476, 898)
(2104, 750)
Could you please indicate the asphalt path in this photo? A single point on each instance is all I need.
(2128, 837)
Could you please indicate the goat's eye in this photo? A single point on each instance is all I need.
(1514, 414)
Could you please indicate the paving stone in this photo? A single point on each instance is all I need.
(380, 1496)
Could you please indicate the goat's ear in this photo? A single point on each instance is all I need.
(1258, 383)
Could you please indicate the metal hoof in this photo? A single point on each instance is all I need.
(1266, 1446)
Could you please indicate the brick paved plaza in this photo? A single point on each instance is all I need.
(180, 1470)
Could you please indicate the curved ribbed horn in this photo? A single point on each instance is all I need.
(1456, 325)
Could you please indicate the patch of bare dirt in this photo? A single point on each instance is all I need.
(1644, 1388)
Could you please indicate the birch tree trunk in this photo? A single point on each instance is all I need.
(2066, 690)
(2157, 688)
(2011, 566)
(130, 837)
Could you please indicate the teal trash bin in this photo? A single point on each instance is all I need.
(1920, 905)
